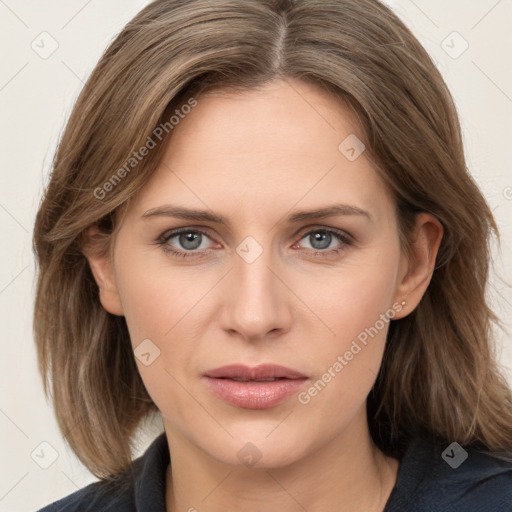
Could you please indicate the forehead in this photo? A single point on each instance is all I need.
(284, 117)
(275, 145)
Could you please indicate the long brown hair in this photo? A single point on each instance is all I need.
(439, 375)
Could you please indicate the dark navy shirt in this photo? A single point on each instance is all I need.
(426, 482)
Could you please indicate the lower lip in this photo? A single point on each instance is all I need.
(254, 395)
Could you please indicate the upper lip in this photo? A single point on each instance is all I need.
(262, 371)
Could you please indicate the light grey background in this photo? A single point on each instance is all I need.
(36, 97)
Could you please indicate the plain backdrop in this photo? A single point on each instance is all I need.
(470, 42)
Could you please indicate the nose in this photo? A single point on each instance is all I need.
(257, 302)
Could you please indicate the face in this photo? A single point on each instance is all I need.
(259, 278)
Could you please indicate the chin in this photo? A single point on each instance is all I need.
(261, 448)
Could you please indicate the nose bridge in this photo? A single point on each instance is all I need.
(256, 299)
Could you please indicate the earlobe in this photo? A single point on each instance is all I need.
(95, 247)
(418, 267)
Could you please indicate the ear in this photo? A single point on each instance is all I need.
(416, 268)
(95, 247)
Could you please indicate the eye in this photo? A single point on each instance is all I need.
(327, 240)
(189, 241)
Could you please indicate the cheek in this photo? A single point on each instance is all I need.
(368, 295)
(353, 298)
(357, 308)
(156, 298)
(159, 304)
(169, 305)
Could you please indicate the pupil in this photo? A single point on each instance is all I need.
(189, 240)
(322, 237)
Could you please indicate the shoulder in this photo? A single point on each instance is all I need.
(444, 477)
(141, 483)
(99, 496)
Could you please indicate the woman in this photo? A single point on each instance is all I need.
(260, 224)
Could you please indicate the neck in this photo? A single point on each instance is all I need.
(347, 473)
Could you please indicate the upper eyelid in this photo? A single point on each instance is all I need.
(171, 233)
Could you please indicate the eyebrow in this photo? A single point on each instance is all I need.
(298, 216)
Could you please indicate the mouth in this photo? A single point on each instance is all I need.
(263, 372)
(260, 387)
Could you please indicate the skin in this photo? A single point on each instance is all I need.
(256, 158)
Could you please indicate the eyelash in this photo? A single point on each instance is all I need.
(163, 240)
